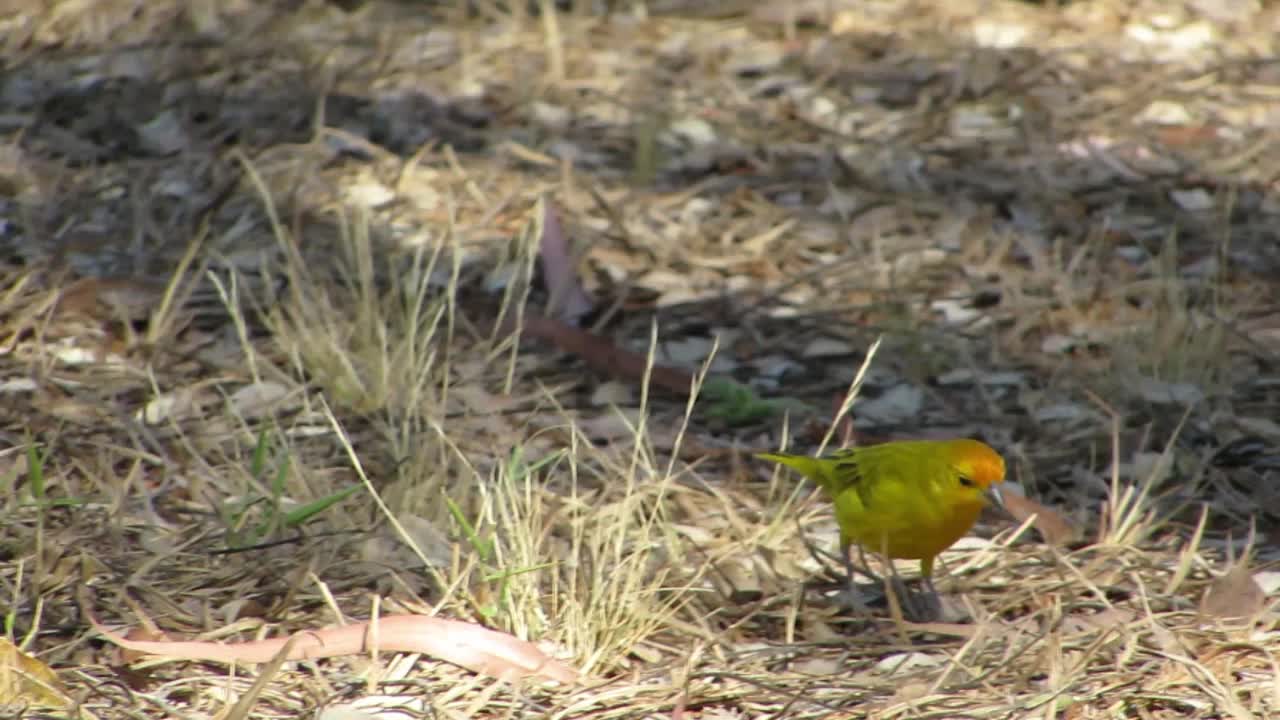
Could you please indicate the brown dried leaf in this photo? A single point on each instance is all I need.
(1233, 595)
(569, 301)
(1053, 527)
(111, 299)
(602, 355)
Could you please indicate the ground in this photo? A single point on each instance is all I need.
(316, 312)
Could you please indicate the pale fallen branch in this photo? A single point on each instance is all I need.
(465, 644)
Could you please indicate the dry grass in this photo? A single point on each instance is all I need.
(257, 374)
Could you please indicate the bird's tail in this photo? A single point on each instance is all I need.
(803, 464)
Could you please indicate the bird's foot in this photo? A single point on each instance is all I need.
(852, 598)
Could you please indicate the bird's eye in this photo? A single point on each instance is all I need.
(966, 481)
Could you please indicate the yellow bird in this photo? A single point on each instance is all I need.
(909, 499)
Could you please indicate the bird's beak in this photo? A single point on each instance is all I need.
(994, 492)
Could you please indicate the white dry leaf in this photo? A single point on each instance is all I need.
(738, 579)
(696, 211)
(691, 131)
(956, 312)
(913, 262)
(368, 193)
(1266, 427)
(839, 203)
(906, 662)
(820, 666)
(501, 276)
(1193, 36)
(964, 376)
(167, 407)
(1165, 112)
(162, 134)
(821, 111)
(824, 347)
(616, 264)
(1103, 620)
(698, 534)
(475, 399)
(978, 122)
(1060, 412)
(550, 117)
(663, 280)
(1000, 35)
(1193, 200)
(376, 707)
(613, 392)
(1206, 267)
(685, 352)
(1264, 330)
(1268, 581)
(173, 187)
(1057, 343)
(617, 424)
(1160, 392)
(18, 385)
(1135, 254)
(899, 404)
(755, 58)
(674, 46)
(775, 366)
(223, 352)
(973, 542)
(69, 353)
(1153, 465)
(575, 153)
(421, 195)
(423, 536)
(257, 399)
(422, 50)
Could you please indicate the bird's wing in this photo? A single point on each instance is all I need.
(849, 472)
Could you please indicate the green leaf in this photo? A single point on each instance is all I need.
(738, 404)
(303, 513)
(482, 547)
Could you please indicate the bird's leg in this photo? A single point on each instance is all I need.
(925, 605)
(898, 587)
(866, 568)
(853, 598)
(917, 606)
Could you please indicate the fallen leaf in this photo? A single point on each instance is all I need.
(900, 662)
(569, 301)
(827, 347)
(613, 393)
(24, 680)
(1233, 595)
(602, 355)
(256, 399)
(1268, 580)
(1159, 392)
(1053, 527)
(1192, 200)
(898, 404)
(111, 298)
(467, 645)
(163, 134)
